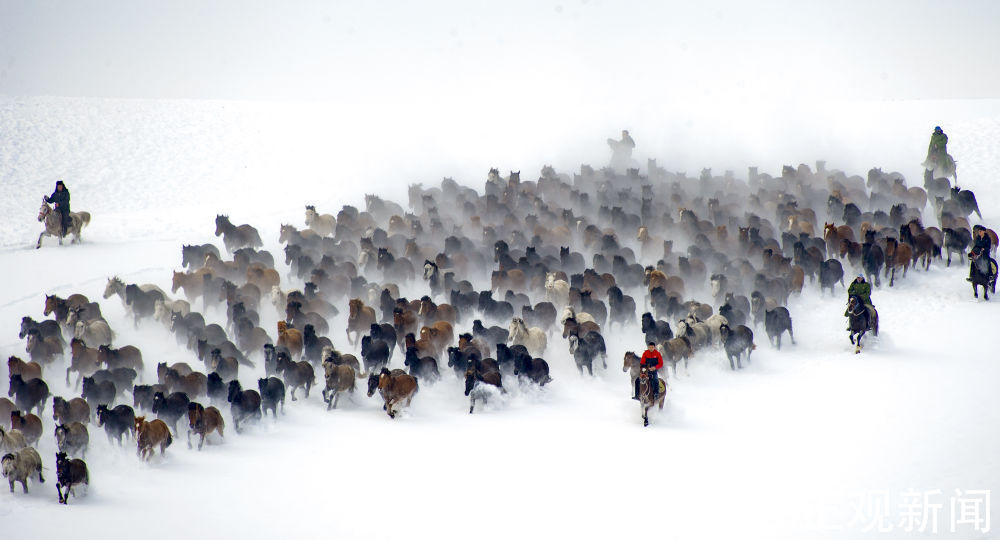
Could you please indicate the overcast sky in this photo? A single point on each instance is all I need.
(482, 53)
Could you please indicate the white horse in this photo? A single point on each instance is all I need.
(117, 286)
(321, 224)
(94, 333)
(698, 333)
(163, 310)
(532, 338)
(556, 290)
(53, 224)
(580, 316)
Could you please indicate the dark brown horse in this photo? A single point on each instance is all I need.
(896, 255)
(69, 473)
(128, 356)
(203, 421)
(84, 361)
(360, 320)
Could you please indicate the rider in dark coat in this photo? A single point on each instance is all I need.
(982, 245)
(863, 290)
(60, 198)
(652, 361)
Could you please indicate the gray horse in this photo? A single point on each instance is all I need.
(53, 227)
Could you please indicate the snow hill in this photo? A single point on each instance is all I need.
(784, 449)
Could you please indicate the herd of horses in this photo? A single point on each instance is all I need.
(501, 279)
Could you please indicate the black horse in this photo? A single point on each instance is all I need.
(859, 321)
(872, 260)
(983, 272)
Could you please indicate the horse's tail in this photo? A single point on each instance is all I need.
(84, 218)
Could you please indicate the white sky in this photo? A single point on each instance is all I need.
(514, 52)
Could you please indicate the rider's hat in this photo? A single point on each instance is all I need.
(937, 128)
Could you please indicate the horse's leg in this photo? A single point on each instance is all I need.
(202, 441)
(975, 290)
(39, 244)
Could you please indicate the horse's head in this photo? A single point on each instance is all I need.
(234, 390)
(44, 211)
(221, 222)
(114, 285)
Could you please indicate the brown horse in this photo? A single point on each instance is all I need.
(128, 356)
(290, 338)
(193, 283)
(203, 421)
(27, 370)
(431, 312)
(396, 387)
(646, 399)
(263, 277)
(360, 319)
(28, 424)
(896, 255)
(440, 334)
(404, 321)
(84, 361)
(339, 378)
(852, 250)
(61, 306)
(151, 434)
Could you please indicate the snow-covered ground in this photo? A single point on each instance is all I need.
(787, 448)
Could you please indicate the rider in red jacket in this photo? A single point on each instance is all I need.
(652, 361)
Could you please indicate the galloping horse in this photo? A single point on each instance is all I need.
(859, 321)
(53, 225)
(983, 272)
(646, 399)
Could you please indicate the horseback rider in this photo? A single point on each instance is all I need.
(983, 244)
(651, 361)
(863, 290)
(621, 151)
(937, 151)
(60, 199)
